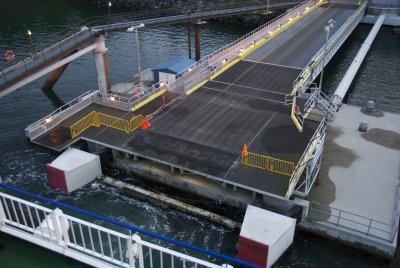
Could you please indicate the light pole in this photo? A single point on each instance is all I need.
(327, 29)
(109, 8)
(131, 29)
(29, 33)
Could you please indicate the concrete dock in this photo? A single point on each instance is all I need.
(356, 197)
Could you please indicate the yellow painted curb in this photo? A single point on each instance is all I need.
(193, 89)
(276, 32)
(149, 99)
(294, 119)
(249, 51)
(224, 69)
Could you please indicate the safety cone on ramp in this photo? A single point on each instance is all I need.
(244, 153)
(146, 123)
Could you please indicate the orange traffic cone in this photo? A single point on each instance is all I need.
(244, 152)
(143, 124)
(148, 122)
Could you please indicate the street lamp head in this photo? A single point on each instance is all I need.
(331, 22)
(133, 28)
(28, 32)
(109, 4)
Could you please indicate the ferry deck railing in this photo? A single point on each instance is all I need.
(347, 220)
(117, 246)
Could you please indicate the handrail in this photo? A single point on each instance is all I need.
(97, 119)
(129, 227)
(42, 53)
(361, 221)
(268, 163)
(361, 100)
(169, 13)
(318, 134)
(304, 76)
(64, 107)
(53, 119)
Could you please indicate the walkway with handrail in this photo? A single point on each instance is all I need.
(87, 30)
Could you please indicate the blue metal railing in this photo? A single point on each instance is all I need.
(131, 228)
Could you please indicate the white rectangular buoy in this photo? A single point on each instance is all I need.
(73, 169)
(264, 236)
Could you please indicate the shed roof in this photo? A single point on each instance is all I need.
(175, 65)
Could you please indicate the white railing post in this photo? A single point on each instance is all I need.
(64, 229)
(137, 249)
(2, 214)
(55, 219)
(130, 253)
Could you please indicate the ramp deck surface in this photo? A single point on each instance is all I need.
(205, 131)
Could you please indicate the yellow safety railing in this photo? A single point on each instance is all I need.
(296, 116)
(83, 124)
(302, 165)
(135, 122)
(97, 119)
(268, 163)
(113, 122)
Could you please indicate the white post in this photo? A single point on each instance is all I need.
(64, 230)
(323, 59)
(327, 29)
(2, 214)
(101, 61)
(138, 250)
(131, 29)
(138, 56)
(55, 219)
(131, 254)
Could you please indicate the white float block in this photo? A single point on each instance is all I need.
(73, 169)
(264, 236)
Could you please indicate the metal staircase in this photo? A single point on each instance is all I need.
(327, 105)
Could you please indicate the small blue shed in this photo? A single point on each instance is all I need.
(167, 72)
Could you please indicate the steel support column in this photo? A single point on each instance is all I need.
(190, 40)
(197, 41)
(101, 61)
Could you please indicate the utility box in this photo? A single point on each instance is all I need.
(264, 236)
(73, 169)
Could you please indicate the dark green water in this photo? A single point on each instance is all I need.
(23, 164)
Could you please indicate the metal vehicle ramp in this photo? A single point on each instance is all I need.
(249, 100)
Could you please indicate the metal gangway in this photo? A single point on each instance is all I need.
(117, 245)
(79, 39)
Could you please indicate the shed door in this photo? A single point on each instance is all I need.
(167, 78)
